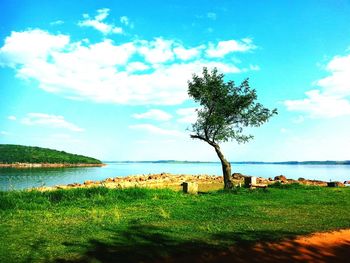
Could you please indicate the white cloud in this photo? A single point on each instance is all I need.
(98, 24)
(57, 22)
(29, 47)
(152, 129)
(332, 98)
(136, 66)
(52, 121)
(5, 133)
(319, 105)
(223, 48)
(157, 51)
(338, 83)
(188, 115)
(187, 54)
(12, 118)
(102, 14)
(138, 72)
(154, 114)
(124, 20)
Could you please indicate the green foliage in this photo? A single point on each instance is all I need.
(80, 225)
(225, 108)
(27, 154)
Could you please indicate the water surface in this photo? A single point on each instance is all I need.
(12, 178)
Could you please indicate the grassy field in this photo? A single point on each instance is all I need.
(104, 225)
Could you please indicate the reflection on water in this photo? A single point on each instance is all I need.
(12, 178)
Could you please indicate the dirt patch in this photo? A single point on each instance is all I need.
(319, 247)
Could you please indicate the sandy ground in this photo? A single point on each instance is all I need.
(318, 247)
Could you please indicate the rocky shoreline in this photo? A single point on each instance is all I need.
(49, 165)
(167, 180)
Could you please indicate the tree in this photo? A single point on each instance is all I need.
(225, 110)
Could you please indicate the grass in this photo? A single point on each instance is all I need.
(130, 225)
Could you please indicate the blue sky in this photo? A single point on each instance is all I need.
(109, 78)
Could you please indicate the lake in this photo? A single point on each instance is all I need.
(12, 178)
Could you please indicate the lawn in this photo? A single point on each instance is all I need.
(132, 225)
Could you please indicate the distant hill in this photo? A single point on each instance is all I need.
(10, 153)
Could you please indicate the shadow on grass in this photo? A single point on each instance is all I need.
(140, 243)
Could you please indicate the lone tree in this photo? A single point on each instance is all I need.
(225, 110)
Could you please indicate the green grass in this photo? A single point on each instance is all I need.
(104, 225)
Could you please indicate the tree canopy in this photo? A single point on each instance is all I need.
(225, 110)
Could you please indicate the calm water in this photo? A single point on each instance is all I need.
(11, 178)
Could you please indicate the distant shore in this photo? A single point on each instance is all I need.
(346, 162)
(49, 165)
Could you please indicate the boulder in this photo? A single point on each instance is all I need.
(108, 180)
(281, 178)
(261, 180)
(190, 188)
(335, 184)
(238, 176)
(249, 181)
(291, 181)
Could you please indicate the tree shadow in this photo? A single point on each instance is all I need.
(37, 251)
(144, 243)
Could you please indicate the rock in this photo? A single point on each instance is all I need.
(62, 187)
(281, 178)
(108, 180)
(291, 181)
(314, 182)
(73, 185)
(190, 188)
(238, 176)
(89, 182)
(335, 184)
(261, 180)
(249, 181)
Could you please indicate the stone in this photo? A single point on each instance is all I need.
(108, 180)
(190, 188)
(249, 181)
(261, 180)
(335, 184)
(281, 178)
(238, 176)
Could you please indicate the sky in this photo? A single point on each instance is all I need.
(108, 79)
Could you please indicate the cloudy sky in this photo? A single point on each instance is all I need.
(109, 78)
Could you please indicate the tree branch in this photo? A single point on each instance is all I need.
(196, 136)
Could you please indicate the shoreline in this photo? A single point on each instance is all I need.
(49, 165)
(174, 181)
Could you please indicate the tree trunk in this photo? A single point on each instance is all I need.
(226, 168)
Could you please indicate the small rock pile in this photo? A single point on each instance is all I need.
(164, 180)
(150, 181)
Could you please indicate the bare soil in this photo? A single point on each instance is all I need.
(318, 247)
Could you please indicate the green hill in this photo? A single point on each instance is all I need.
(10, 153)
